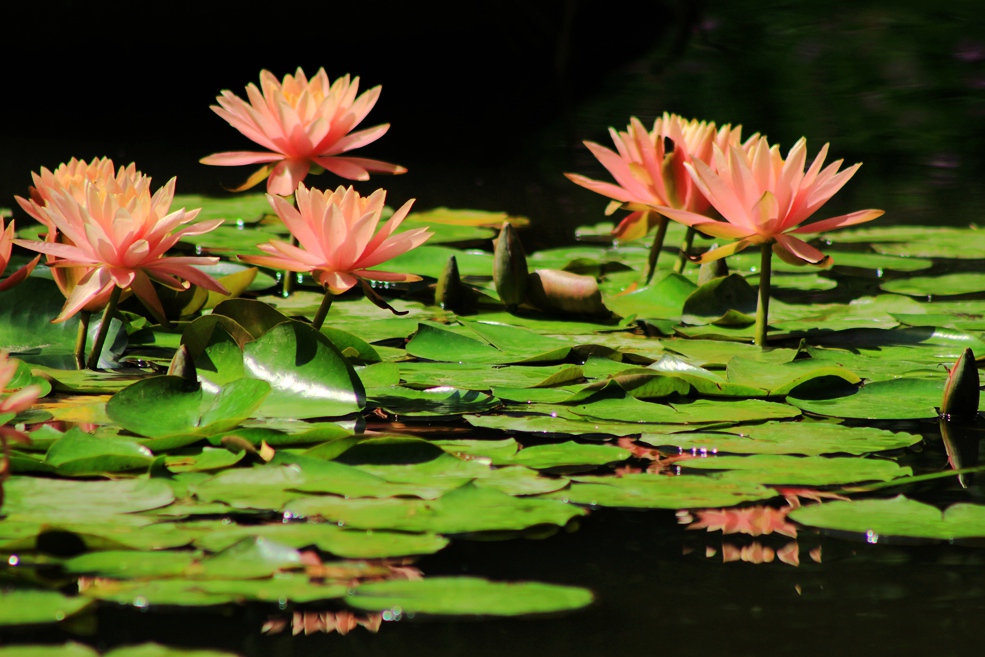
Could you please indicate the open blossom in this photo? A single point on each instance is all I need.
(335, 231)
(72, 177)
(302, 124)
(121, 237)
(648, 175)
(6, 247)
(765, 198)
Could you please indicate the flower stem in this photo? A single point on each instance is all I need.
(80, 338)
(763, 308)
(326, 303)
(658, 243)
(104, 323)
(685, 250)
(287, 284)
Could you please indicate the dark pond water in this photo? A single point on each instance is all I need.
(487, 115)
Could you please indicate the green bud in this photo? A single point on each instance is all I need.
(563, 291)
(510, 268)
(448, 291)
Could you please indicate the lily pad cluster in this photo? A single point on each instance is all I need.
(240, 455)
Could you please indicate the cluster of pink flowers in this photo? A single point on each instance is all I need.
(760, 196)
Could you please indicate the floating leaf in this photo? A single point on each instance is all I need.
(36, 607)
(464, 596)
(898, 399)
(802, 470)
(898, 516)
(649, 491)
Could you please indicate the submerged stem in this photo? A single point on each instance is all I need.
(104, 323)
(658, 243)
(763, 308)
(326, 303)
(81, 337)
(685, 250)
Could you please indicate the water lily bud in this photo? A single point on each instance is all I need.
(709, 271)
(961, 393)
(563, 291)
(182, 365)
(448, 291)
(510, 268)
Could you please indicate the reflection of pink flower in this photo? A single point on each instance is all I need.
(752, 520)
(765, 198)
(6, 247)
(647, 175)
(121, 238)
(336, 234)
(71, 178)
(302, 124)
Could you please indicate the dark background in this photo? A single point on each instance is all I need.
(488, 103)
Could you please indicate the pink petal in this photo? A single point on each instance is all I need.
(850, 219)
(240, 158)
(800, 249)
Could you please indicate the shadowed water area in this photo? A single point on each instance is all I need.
(468, 442)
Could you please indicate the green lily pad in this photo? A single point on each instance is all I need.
(434, 402)
(934, 286)
(649, 491)
(80, 454)
(467, 596)
(157, 650)
(474, 376)
(464, 510)
(700, 411)
(36, 607)
(898, 399)
(70, 649)
(131, 564)
(307, 374)
(569, 454)
(726, 301)
(898, 516)
(51, 500)
(807, 438)
(802, 470)
(663, 298)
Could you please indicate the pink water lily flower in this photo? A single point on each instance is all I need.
(335, 231)
(6, 247)
(302, 124)
(19, 400)
(121, 238)
(765, 198)
(649, 175)
(72, 177)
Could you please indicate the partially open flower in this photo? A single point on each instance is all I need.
(121, 238)
(72, 178)
(303, 125)
(765, 198)
(335, 231)
(648, 174)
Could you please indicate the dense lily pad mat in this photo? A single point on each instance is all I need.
(278, 464)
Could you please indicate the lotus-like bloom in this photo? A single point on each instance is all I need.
(72, 177)
(648, 175)
(302, 124)
(765, 198)
(121, 238)
(336, 234)
(6, 247)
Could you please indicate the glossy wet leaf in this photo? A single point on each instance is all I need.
(898, 516)
(716, 352)
(307, 374)
(37, 607)
(801, 470)
(458, 596)
(250, 558)
(464, 510)
(898, 399)
(442, 401)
